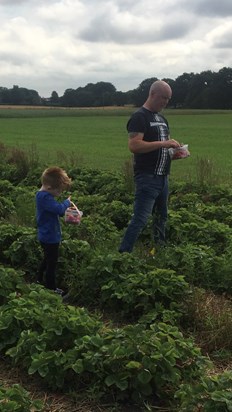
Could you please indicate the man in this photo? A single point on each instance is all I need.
(149, 141)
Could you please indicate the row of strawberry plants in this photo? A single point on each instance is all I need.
(67, 347)
(193, 260)
(80, 262)
(117, 282)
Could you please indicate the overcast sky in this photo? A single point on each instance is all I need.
(49, 45)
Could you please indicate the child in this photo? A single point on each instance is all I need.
(54, 181)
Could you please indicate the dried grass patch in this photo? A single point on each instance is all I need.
(211, 317)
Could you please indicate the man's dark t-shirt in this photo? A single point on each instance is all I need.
(155, 128)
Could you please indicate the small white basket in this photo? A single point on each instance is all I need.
(73, 215)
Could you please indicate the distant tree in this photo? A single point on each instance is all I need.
(199, 90)
(102, 92)
(34, 97)
(221, 92)
(84, 98)
(140, 94)
(22, 96)
(4, 95)
(206, 90)
(180, 89)
(120, 98)
(129, 96)
(69, 98)
(54, 99)
(171, 83)
(16, 95)
(98, 94)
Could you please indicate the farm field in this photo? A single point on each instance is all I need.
(140, 332)
(98, 138)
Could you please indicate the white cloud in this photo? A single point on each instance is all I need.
(221, 35)
(64, 44)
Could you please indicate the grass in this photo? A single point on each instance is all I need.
(98, 137)
(100, 141)
(209, 138)
(212, 321)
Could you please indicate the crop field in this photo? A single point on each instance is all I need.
(97, 138)
(146, 331)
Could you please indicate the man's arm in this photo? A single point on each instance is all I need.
(136, 143)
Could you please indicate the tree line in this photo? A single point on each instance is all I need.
(205, 90)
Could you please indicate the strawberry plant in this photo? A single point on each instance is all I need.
(138, 294)
(24, 252)
(9, 233)
(118, 213)
(17, 399)
(97, 271)
(209, 394)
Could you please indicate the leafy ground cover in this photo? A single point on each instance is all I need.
(155, 332)
(51, 401)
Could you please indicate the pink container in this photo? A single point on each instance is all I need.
(73, 215)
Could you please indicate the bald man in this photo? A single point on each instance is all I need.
(149, 141)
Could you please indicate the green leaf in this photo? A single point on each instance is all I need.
(122, 384)
(78, 366)
(110, 380)
(133, 365)
(144, 376)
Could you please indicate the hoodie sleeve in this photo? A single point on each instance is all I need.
(48, 203)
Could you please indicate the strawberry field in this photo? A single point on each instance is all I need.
(146, 330)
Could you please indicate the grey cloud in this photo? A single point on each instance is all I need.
(14, 58)
(174, 31)
(17, 3)
(12, 2)
(210, 8)
(102, 30)
(224, 41)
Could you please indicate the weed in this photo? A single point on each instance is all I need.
(128, 175)
(207, 172)
(212, 320)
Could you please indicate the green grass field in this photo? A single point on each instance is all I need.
(98, 138)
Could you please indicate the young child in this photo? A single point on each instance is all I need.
(54, 181)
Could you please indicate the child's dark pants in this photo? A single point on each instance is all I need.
(48, 264)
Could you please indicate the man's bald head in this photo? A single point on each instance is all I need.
(159, 95)
(160, 86)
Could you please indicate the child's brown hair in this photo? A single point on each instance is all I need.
(56, 178)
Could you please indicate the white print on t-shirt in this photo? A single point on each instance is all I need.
(154, 124)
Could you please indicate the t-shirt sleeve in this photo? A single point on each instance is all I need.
(137, 123)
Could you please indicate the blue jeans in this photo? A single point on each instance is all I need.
(151, 197)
